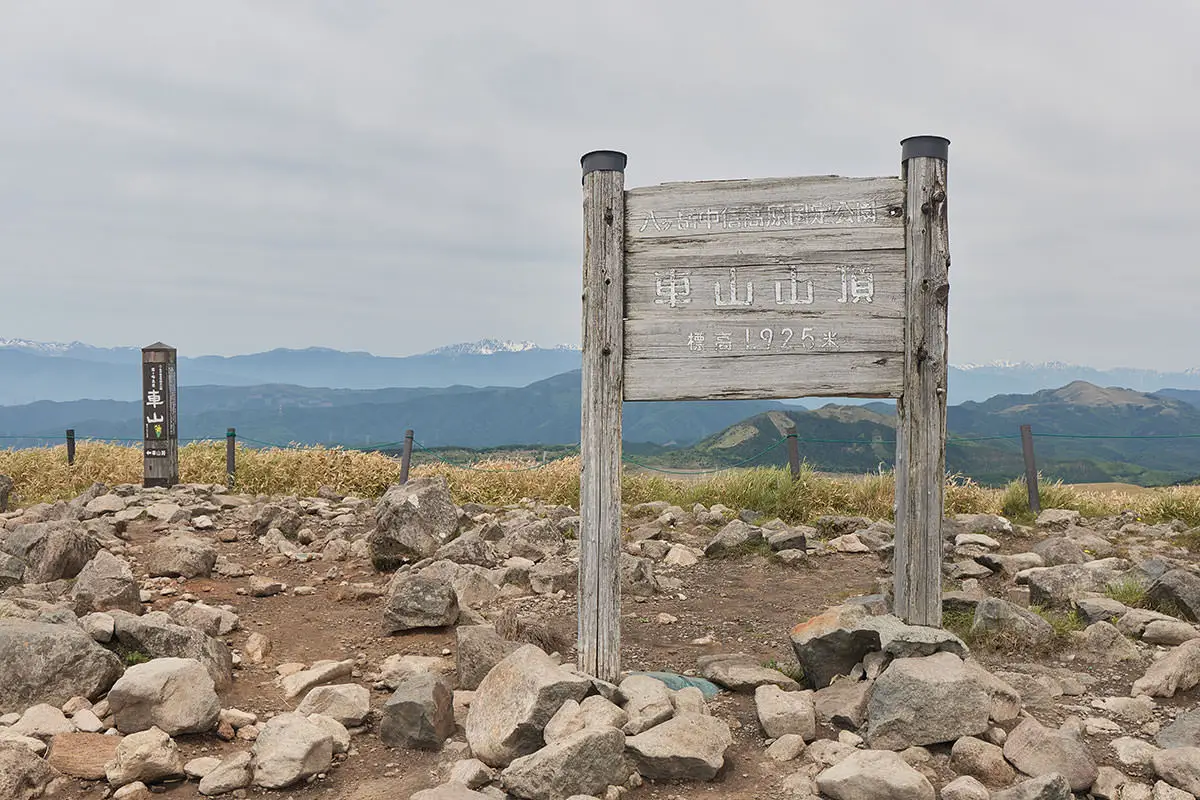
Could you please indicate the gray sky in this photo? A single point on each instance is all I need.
(394, 176)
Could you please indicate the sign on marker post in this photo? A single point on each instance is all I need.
(159, 414)
(818, 286)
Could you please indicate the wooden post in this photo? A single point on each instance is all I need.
(1031, 474)
(406, 456)
(230, 456)
(921, 408)
(159, 414)
(793, 444)
(599, 590)
(70, 447)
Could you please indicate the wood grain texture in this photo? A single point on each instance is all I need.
(765, 377)
(713, 208)
(599, 598)
(921, 430)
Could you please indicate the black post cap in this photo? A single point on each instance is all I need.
(925, 147)
(603, 160)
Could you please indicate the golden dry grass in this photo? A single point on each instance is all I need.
(42, 475)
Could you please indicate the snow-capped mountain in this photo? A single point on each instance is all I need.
(488, 347)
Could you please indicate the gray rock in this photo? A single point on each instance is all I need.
(586, 762)
(212, 620)
(1102, 643)
(450, 791)
(965, 788)
(416, 601)
(515, 701)
(1183, 732)
(1178, 671)
(637, 576)
(553, 574)
(781, 713)
(104, 583)
(843, 703)
(982, 760)
(1135, 621)
(1057, 550)
(1180, 767)
(1057, 519)
(926, 700)
(235, 772)
(1099, 609)
(1011, 564)
(1177, 589)
(735, 535)
(51, 663)
(690, 748)
(42, 722)
(397, 668)
(791, 538)
(830, 526)
(874, 775)
(348, 703)
(420, 713)
(1047, 787)
(786, 748)
(647, 703)
(412, 521)
(468, 549)
(12, 570)
(105, 504)
(1163, 791)
(51, 551)
(1041, 752)
(318, 674)
(472, 773)
(742, 672)
(157, 636)
(1059, 587)
(180, 555)
(148, 756)
(1169, 632)
(175, 695)
(831, 643)
(290, 748)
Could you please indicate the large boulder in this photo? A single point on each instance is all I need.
(412, 521)
(515, 701)
(690, 747)
(420, 713)
(12, 571)
(43, 663)
(156, 635)
(478, 649)
(419, 601)
(52, 550)
(106, 582)
(874, 775)
(1059, 587)
(23, 774)
(290, 748)
(1178, 590)
(585, 763)
(175, 695)
(1039, 751)
(181, 555)
(1177, 671)
(148, 756)
(927, 700)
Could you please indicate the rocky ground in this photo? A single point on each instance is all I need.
(190, 642)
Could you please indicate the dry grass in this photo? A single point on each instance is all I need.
(42, 475)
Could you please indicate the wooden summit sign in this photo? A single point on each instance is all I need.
(771, 288)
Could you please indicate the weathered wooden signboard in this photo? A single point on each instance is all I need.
(159, 414)
(770, 288)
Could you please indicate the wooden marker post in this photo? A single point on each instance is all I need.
(921, 407)
(1031, 474)
(599, 589)
(159, 415)
(230, 456)
(70, 447)
(406, 456)
(793, 445)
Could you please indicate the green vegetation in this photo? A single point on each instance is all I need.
(1127, 591)
(791, 669)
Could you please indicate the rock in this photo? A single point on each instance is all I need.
(678, 556)
(586, 762)
(235, 772)
(412, 521)
(395, 669)
(290, 748)
(849, 543)
(99, 626)
(51, 663)
(23, 774)
(597, 711)
(1046, 787)
(320, 673)
(146, 756)
(734, 536)
(416, 601)
(1005, 703)
(1183, 732)
(690, 748)
(515, 701)
(157, 636)
(791, 538)
(648, 703)
(926, 700)
(786, 748)
(337, 732)
(830, 526)
(451, 791)
(741, 672)
(106, 582)
(1135, 621)
(566, 721)
(6, 487)
(979, 759)
(1057, 550)
(261, 586)
(468, 549)
(197, 768)
(1180, 767)
(1057, 519)
(472, 773)
(257, 648)
(1109, 785)
(203, 617)
(180, 555)
(1099, 609)
(176, 695)
(12, 569)
(1178, 671)
(781, 713)
(41, 722)
(420, 713)
(1133, 752)
(1039, 751)
(51, 551)
(1177, 589)
(82, 755)
(167, 512)
(874, 775)
(1165, 791)
(996, 617)
(1061, 586)
(830, 644)
(1169, 632)
(965, 788)
(1102, 643)
(552, 575)
(843, 703)
(348, 703)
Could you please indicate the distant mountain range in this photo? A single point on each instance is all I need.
(32, 371)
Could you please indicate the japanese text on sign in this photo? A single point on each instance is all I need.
(673, 289)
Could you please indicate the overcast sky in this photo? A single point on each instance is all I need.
(394, 176)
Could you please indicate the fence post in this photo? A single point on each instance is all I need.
(789, 429)
(1031, 475)
(406, 456)
(230, 456)
(70, 447)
